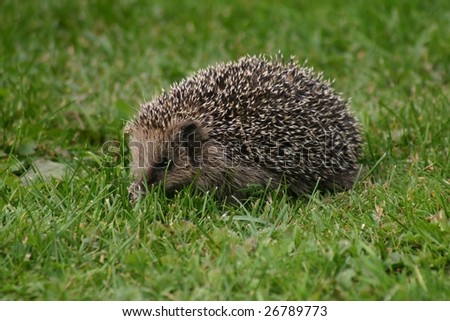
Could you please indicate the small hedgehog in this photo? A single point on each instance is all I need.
(257, 121)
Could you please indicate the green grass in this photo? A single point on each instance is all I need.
(72, 72)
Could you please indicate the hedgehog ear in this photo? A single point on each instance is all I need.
(191, 137)
(188, 132)
(191, 133)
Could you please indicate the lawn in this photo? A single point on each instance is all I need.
(73, 72)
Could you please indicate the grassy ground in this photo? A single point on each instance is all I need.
(71, 73)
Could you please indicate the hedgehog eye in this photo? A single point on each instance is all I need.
(163, 163)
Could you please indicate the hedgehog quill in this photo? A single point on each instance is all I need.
(255, 121)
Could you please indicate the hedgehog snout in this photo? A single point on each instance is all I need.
(135, 191)
(166, 177)
(139, 187)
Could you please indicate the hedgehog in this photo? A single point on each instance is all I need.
(255, 121)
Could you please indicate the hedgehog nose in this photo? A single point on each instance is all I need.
(135, 191)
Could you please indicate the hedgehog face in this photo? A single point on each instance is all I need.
(172, 157)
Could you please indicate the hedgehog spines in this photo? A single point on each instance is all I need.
(258, 120)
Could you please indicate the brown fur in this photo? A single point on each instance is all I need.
(196, 158)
